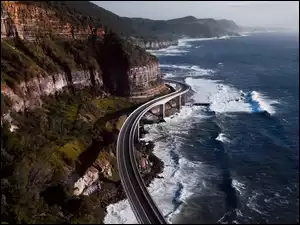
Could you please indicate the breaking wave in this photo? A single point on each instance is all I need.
(190, 70)
(170, 51)
(221, 137)
(224, 98)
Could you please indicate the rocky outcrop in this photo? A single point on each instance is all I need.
(145, 165)
(29, 94)
(29, 22)
(143, 76)
(144, 94)
(88, 183)
(153, 44)
(105, 167)
(127, 68)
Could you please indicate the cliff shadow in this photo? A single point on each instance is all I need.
(110, 55)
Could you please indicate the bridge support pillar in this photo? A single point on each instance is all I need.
(183, 99)
(162, 110)
(178, 102)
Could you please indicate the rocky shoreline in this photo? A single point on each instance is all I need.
(153, 45)
(157, 45)
(149, 170)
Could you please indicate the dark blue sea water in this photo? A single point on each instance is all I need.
(236, 161)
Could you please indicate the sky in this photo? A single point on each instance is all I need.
(269, 14)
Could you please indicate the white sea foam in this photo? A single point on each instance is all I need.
(260, 102)
(238, 186)
(222, 138)
(120, 213)
(167, 75)
(253, 205)
(186, 40)
(170, 51)
(178, 175)
(247, 33)
(191, 70)
(224, 98)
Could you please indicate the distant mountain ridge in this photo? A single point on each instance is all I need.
(146, 29)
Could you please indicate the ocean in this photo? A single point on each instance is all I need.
(236, 161)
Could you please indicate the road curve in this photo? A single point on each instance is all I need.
(143, 206)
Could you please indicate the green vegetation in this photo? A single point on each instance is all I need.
(70, 132)
(111, 104)
(15, 65)
(120, 122)
(21, 60)
(72, 150)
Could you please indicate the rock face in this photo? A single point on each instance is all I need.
(142, 76)
(105, 167)
(29, 94)
(127, 68)
(88, 183)
(28, 22)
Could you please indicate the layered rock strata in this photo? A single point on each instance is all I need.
(29, 94)
(29, 22)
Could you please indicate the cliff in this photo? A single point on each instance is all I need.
(43, 53)
(29, 22)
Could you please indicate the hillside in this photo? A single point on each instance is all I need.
(86, 12)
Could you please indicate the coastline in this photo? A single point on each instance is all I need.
(145, 148)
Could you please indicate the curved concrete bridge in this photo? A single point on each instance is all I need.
(143, 206)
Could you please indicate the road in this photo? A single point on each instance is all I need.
(143, 206)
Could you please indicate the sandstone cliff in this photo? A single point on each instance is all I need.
(28, 22)
(55, 53)
(29, 94)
